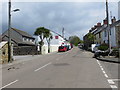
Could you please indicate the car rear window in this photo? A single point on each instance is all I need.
(61, 47)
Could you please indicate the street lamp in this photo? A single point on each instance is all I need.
(9, 28)
(16, 10)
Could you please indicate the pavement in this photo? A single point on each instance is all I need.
(22, 58)
(73, 69)
(111, 65)
(19, 59)
(109, 59)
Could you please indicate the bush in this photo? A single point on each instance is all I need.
(115, 52)
(103, 47)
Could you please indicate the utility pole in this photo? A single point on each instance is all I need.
(9, 30)
(108, 26)
(111, 16)
(9, 33)
(63, 32)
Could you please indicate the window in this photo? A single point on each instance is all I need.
(32, 40)
(24, 38)
(99, 35)
(56, 37)
(105, 33)
(110, 31)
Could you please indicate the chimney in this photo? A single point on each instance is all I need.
(105, 22)
(90, 31)
(98, 24)
(113, 20)
(95, 26)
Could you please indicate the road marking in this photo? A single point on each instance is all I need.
(104, 72)
(98, 63)
(42, 67)
(9, 84)
(101, 66)
(106, 75)
(102, 69)
(113, 86)
(115, 79)
(110, 81)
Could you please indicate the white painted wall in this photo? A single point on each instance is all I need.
(44, 49)
(113, 37)
(54, 44)
(104, 38)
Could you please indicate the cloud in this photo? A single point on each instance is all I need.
(76, 18)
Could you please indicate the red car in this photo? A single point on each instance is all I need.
(62, 49)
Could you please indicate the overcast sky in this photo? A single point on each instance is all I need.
(76, 18)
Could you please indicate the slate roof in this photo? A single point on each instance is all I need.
(115, 23)
(104, 27)
(23, 33)
(100, 29)
(16, 39)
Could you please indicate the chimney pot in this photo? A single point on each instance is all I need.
(105, 22)
(95, 26)
(98, 24)
(113, 20)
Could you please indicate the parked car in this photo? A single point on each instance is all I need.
(99, 53)
(67, 46)
(62, 49)
(94, 47)
(71, 45)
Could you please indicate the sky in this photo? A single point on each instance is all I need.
(76, 17)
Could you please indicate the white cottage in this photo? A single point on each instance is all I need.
(101, 34)
(54, 44)
(115, 29)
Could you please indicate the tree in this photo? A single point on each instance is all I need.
(75, 40)
(90, 37)
(49, 37)
(42, 33)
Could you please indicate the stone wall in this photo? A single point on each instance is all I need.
(4, 54)
(118, 36)
(25, 50)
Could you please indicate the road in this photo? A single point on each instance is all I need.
(73, 69)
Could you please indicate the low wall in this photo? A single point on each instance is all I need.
(53, 48)
(25, 50)
(4, 54)
(32, 50)
(44, 49)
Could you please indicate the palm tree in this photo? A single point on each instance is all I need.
(49, 37)
(41, 32)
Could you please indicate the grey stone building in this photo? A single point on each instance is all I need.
(23, 43)
(19, 38)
